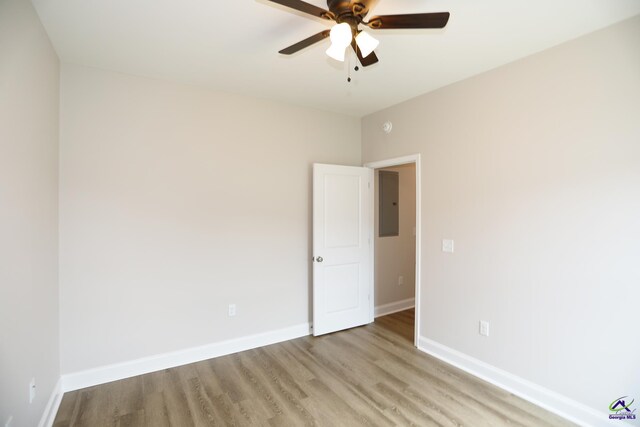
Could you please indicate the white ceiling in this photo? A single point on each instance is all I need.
(233, 45)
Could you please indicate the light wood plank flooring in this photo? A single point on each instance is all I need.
(370, 375)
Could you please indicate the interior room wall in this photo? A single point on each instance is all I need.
(29, 103)
(176, 202)
(534, 170)
(395, 255)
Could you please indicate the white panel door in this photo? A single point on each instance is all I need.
(342, 251)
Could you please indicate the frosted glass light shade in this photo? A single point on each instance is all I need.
(366, 43)
(336, 52)
(341, 35)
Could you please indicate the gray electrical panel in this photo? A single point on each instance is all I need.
(388, 204)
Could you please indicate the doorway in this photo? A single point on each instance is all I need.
(396, 231)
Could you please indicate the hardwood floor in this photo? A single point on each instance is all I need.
(370, 375)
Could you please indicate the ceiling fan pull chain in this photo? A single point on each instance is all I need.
(349, 67)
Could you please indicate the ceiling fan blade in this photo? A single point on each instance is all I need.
(305, 43)
(306, 8)
(415, 20)
(370, 59)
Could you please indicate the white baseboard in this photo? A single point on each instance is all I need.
(394, 307)
(545, 398)
(105, 374)
(554, 402)
(50, 411)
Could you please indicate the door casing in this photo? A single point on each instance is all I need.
(397, 161)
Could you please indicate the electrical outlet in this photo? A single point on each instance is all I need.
(400, 280)
(9, 421)
(484, 328)
(232, 310)
(32, 390)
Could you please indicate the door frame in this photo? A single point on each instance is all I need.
(397, 161)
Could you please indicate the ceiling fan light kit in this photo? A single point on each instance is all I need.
(341, 36)
(349, 15)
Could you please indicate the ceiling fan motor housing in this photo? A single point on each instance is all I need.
(350, 12)
(340, 6)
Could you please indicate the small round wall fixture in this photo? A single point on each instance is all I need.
(387, 127)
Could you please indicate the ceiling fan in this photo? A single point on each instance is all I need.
(349, 15)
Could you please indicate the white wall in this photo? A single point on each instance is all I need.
(534, 169)
(176, 201)
(395, 255)
(29, 82)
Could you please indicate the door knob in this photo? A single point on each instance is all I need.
(319, 259)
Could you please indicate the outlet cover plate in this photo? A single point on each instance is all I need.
(484, 328)
(447, 245)
(32, 390)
